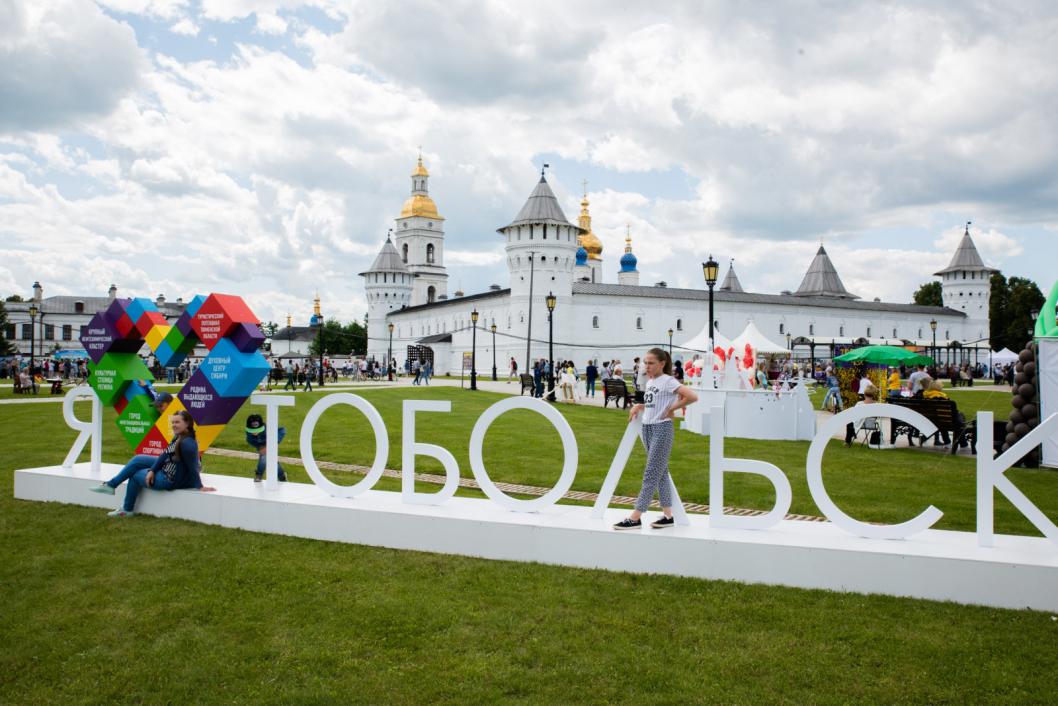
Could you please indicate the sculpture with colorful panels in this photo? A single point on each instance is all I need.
(213, 394)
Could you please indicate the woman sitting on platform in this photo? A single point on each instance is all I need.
(176, 468)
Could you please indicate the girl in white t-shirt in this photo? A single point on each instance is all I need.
(663, 396)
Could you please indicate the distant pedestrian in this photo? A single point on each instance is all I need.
(590, 374)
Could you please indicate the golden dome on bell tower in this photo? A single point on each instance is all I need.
(420, 203)
(588, 240)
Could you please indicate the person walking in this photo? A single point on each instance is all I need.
(310, 372)
(590, 375)
(663, 397)
(538, 379)
(291, 384)
(513, 370)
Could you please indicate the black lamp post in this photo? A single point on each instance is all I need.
(551, 301)
(933, 327)
(33, 311)
(389, 354)
(711, 268)
(670, 343)
(320, 340)
(474, 351)
(493, 329)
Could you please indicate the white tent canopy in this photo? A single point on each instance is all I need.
(1004, 357)
(701, 341)
(757, 341)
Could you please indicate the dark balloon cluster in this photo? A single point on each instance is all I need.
(1026, 413)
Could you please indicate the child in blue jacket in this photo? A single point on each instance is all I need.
(255, 437)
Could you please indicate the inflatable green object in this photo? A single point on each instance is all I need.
(1045, 323)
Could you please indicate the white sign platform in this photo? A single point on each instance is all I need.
(755, 414)
(1018, 572)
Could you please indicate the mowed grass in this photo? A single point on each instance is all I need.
(164, 611)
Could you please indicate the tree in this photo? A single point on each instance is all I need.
(5, 346)
(14, 298)
(1026, 299)
(1010, 308)
(929, 294)
(339, 339)
(998, 302)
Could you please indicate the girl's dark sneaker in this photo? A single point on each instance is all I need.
(663, 522)
(628, 523)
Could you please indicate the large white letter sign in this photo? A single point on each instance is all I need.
(990, 476)
(814, 470)
(272, 403)
(617, 467)
(92, 429)
(719, 464)
(411, 448)
(569, 451)
(381, 444)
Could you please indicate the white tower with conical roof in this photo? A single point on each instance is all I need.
(541, 240)
(389, 285)
(966, 286)
(420, 240)
(541, 247)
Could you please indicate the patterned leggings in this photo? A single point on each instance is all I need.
(657, 438)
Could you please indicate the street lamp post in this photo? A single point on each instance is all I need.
(33, 311)
(389, 354)
(933, 328)
(670, 343)
(493, 329)
(320, 340)
(550, 301)
(710, 269)
(474, 350)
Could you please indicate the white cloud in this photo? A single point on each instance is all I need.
(185, 26)
(46, 80)
(268, 23)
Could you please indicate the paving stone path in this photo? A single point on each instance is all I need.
(512, 488)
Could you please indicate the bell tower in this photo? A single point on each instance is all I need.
(419, 240)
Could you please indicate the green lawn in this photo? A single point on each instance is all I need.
(153, 610)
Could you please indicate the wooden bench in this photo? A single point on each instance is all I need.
(527, 384)
(615, 389)
(943, 413)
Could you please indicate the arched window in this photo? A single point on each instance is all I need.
(782, 329)
(679, 324)
(868, 332)
(639, 322)
(595, 322)
(404, 253)
(894, 332)
(429, 253)
(431, 293)
(811, 329)
(841, 330)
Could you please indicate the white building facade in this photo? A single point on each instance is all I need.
(546, 254)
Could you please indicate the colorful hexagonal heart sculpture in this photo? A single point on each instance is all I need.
(212, 395)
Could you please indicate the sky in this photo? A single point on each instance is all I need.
(264, 147)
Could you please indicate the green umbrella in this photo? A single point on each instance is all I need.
(884, 355)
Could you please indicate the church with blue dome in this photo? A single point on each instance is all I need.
(412, 316)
